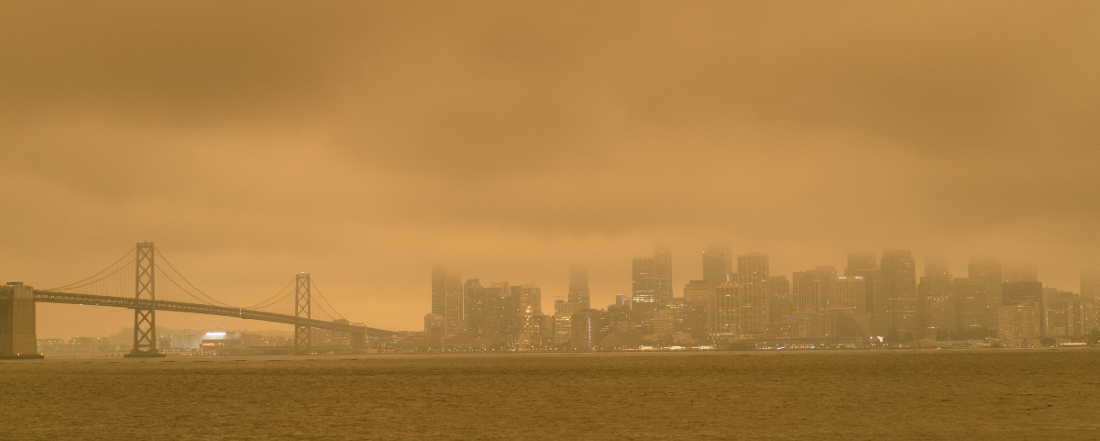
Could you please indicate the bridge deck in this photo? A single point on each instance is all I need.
(198, 308)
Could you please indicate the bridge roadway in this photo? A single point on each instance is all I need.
(199, 308)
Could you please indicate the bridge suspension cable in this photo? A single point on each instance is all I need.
(211, 301)
(275, 298)
(92, 279)
(332, 311)
(117, 280)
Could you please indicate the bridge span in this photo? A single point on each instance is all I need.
(17, 312)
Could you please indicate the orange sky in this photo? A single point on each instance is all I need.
(361, 142)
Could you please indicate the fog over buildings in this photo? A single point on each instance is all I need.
(365, 143)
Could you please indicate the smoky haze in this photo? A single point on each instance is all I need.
(361, 142)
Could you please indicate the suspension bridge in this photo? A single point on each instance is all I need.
(146, 282)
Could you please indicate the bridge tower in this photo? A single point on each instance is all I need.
(303, 334)
(145, 319)
(17, 331)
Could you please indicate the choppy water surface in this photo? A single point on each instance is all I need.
(823, 395)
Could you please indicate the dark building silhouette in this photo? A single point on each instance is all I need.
(864, 265)
(779, 297)
(499, 326)
(937, 310)
(985, 279)
(895, 313)
(1020, 274)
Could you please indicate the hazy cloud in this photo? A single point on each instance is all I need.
(364, 140)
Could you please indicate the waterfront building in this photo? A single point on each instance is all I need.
(987, 270)
(499, 327)
(727, 311)
(937, 309)
(698, 294)
(563, 330)
(752, 277)
(1019, 293)
(585, 326)
(1019, 321)
(895, 313)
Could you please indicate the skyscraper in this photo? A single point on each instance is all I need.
(779, 297)
(970, 301)
(500, 323)
(578, 286)
(662, 269)
(826, 275)
(805, 292)
(813, 289)
(1024, 293)
(1090, 284)
(864, 265)
(585, 328)
(643, 283)
(937, 308)
(807, 303)
(697, 295)
(895, 314)
(848, 293)
(528, 298)
(1021, 321)
(717, 265)
(439, 288)
(476, 307)
(846, 315)
(752, 276)
(727, 311)
(986, 272)
(1015, 293)
(1020, 273)
(454, 304)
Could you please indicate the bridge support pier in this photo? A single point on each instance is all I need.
(145, 320)
(358, 341)
(303, 334)
(17, 328)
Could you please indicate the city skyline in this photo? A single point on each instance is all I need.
(877, 298)
(687, 272)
